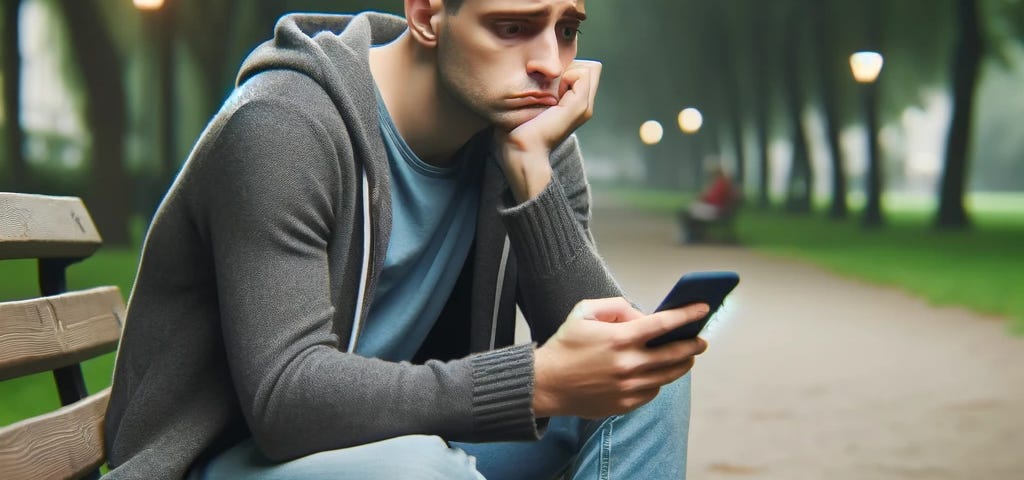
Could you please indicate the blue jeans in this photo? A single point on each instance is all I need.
(649, 442)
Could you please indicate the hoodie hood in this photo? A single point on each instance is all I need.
(319, 45)
(333, 50)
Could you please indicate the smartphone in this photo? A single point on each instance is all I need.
(697, 287)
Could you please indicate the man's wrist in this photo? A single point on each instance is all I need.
(544, 404)
(528, 170)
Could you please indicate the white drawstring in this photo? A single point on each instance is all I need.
(497, 291)
(363, 280)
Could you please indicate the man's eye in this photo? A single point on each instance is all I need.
(570, 33)
(510, 29)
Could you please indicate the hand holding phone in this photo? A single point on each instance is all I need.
(698, 287)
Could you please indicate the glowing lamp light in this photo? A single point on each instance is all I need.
(866, 66)
(690, 120)
(651, 132)
(148, 4)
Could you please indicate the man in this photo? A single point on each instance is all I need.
(329, 288)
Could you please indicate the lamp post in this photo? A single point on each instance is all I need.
(651, 133)
(158, 16)
(866, 67)
(690, 120)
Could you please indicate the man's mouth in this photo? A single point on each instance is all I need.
(534, 99)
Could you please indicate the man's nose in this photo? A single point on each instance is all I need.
(544, 64)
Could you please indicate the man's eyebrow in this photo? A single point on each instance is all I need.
(578, 15)
(535, 13)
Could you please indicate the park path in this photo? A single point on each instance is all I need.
(814, 376)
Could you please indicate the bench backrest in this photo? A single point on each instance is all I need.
(54, 333)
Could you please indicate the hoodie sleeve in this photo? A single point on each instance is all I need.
(550, 234)
(270, 192)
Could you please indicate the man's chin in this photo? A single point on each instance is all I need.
(511, 119)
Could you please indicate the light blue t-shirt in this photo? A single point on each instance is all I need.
(433, 225)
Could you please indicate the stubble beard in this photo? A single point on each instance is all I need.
(460, 87)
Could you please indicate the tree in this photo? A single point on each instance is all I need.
(14, 136)
(798, 191)
(823, 33)
(966, 60)
(730, 94)
(762, 38)
(110, 191)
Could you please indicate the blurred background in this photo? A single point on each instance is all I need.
(880, 141)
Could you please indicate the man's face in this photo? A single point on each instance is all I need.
(502, 59)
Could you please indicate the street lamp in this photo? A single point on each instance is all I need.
(148, 4)
(866, 67)
(651, 132)
(690, 120)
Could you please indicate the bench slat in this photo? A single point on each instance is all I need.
(65, 443)
(37, 226)
(51, 332)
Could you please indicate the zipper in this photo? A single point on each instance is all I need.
(365, 272)
(497, 290)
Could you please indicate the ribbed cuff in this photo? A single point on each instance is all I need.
(503, 394)
(544, 231)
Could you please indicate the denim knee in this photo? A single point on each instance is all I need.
(424, 457)
(416, 457)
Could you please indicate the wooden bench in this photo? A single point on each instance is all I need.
(55, 332)
(721, 229)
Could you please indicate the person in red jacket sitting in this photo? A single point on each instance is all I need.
(718, 201)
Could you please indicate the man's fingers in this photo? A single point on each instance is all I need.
(659, 377)
(595, 77)
(582, 77)
(613, 310)
(660, 323)
(671, 353)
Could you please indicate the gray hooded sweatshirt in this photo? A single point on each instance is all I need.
(259, 263)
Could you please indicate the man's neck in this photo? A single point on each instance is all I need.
(430, 121)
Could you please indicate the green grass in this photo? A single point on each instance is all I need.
(35, 394)
(981, 268)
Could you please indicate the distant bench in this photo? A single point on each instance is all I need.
(720, 228)
(55, 332)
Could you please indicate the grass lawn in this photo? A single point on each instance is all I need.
(981, 268)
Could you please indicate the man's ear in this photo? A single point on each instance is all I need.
(424, 18)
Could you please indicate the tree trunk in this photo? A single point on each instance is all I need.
(838, 208)
(164, 33)
(16, 178)
(798, 189)
(110, 191)
(761, 96)
(966, 61)
(731, 95)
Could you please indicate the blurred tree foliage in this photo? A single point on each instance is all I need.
(765, 69)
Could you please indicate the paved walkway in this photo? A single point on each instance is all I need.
(812, 376)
